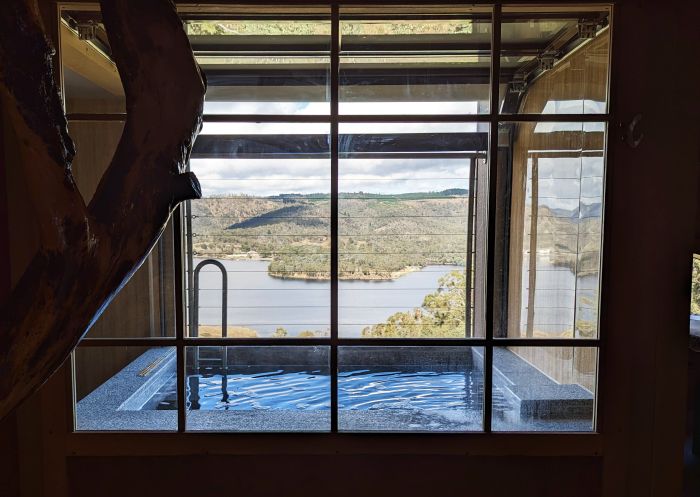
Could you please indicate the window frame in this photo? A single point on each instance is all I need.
(592, 445)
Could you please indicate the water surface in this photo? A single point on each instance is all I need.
(259, 301)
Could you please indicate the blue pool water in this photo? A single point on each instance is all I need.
(310, 390)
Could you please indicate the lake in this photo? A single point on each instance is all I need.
(261, 302)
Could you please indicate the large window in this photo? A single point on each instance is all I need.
(400, 227)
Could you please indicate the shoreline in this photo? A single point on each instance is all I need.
(302, 276)
(394, 275)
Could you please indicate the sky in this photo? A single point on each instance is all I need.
(264, 177)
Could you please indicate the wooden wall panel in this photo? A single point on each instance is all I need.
(340, 476)
(9, 464)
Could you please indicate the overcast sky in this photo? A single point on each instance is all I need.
(347, 108)
(263, 177)
(274, 176)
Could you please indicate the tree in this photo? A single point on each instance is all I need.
(442, 314)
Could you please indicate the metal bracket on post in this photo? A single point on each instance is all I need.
(518, 84)
(588, 29)
(546, 60)
(87, 31)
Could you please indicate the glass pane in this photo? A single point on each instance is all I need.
(410, 389)
(544, 388)
(264, 220)
(95, 144)
(91, 82)
(411, 208)
(414, 61)
(145, 306)
(555, 228)
(258, 389)
(695, 298)
(264, 66)
(554, 62)
(118, 388)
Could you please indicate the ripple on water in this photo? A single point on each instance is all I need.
(360, 389)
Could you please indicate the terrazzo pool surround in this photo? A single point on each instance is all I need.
(542, 404)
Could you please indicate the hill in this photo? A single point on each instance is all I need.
(380, 237)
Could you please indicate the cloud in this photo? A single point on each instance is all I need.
(347, 108)
(408, 108)
(281, 128)
(212, 128)
(281, 108)
(265, 177)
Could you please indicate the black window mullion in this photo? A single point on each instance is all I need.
(334, 81)
(491, 230)
(179, 319)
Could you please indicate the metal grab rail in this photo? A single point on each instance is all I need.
(224, 317)
(224, 297)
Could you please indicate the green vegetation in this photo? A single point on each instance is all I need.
(384, 237)
(214, 331)
(695, 293)
(441, 316)
(258, 28)
(379, 237)
(572, 245)
(316, 28)
(280, 333)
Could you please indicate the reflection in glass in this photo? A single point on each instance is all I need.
(119, 388)
(554, 63)
(409, 245)
(410, 389)
(90, 79)
(271, 66)
(264, 217)
(695, 302)
(555, 228)
(258, 388)
(544, 388)
(435, 64)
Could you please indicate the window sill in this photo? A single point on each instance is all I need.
(464, 444)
